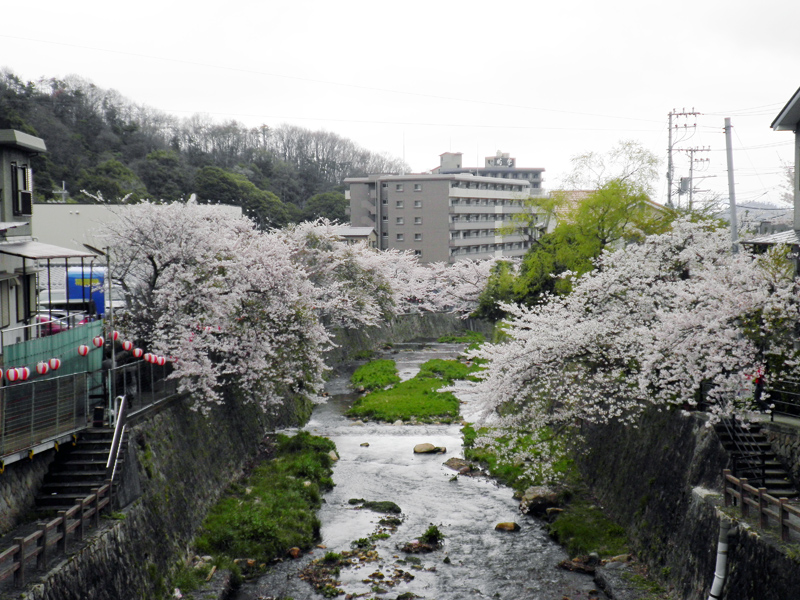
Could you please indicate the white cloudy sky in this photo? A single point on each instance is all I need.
(542, 81)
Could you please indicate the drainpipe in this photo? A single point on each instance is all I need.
(722, 560)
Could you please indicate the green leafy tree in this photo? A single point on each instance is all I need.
(112, 180)
(329, 205)
(499, 288)
(166, 175)
(214, 184)
(615, 214)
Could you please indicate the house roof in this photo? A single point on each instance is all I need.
(789, 116)
(788, 237)
(21, 141)
(38, 250)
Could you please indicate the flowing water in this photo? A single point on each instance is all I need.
(483, 563)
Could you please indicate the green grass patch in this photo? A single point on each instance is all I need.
(376, 374)
(416, 398)
(463, 337)
(275, 508)
(583, 528)
(447, 370)
(517, 475)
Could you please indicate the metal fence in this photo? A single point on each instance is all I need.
(35, 412)
(141, 383)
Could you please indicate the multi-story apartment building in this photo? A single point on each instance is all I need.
(500, 165)
(441, 217)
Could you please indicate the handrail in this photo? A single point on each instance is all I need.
(119, 431)
(13, 560)
(739, 490)
(747, 446)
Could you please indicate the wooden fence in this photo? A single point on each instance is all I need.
(770, 511)
(14, 560)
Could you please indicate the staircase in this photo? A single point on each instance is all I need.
(752, 458)
(76, 472)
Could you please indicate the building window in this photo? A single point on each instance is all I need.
(399, 221)
(399, 237)
(398, 187)
(21, 190)
(5, 311)
(417, 220)
(398, 204)
(417, 237)
(417, 252)
(386, 185)
(385, 217)
(417, 187)
(417, 203)
(385, 234)
(384, 201)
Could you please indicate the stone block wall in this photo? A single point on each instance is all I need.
(662, 481)
(19, 483)
(785, 441)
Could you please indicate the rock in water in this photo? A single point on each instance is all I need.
(457, 464)
(537, 499)
(428, 449)
(294, 552)
(365, 444)
(510, 526)
(333, 456)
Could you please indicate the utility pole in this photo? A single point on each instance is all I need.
(731, 192)
(62, 192)
(676, 127)
(692, 160)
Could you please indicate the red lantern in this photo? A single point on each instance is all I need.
(83, 349)
(127, 345)
(24, 373)
(162, 360)
(1, 376)
(54, 363)
(137, 352)
(148, 358)
(42, 368)
(115, 335)
(12, 375)
(98, 341)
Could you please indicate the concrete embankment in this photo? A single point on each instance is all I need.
(662, 481)
(178, 464)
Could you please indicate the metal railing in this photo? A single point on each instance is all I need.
(749, 459)
(35, 412)
(784, 395)
(141, 383)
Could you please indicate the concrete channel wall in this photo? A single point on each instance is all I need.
(181, 462)
(662, 481)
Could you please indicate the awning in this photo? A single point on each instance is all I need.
(40, 251)
(12, 224)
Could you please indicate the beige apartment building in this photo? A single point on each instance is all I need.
(501, 165)
(440, 217)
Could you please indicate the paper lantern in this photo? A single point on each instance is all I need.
(115, 335)
(148, 357)
(127, 345)
(54, 363)
(162, 360)
(24, 373)
(42, 368)
(98, 341)
(12, 375)
(83, 349)
(137, 352)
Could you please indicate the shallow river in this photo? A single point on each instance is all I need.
(483, 563)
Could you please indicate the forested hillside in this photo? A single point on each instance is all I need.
(100, 141)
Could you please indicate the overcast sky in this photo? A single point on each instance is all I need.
(541, 81)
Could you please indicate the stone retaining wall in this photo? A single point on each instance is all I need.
(662, 481)
(785, 441)
(19, 483)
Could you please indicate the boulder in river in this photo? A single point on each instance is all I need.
(458, 464)
(506, 526)
(427, 448)
(333, 456)
(365, 444)
(537, 499)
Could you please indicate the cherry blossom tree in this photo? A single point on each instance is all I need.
(223, 301)
(660, 323)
